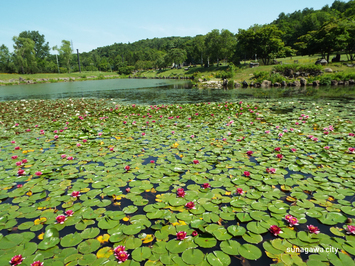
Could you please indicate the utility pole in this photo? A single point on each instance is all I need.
(77, 51)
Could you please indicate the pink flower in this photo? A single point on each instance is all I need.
(70, 158)
(350, 229)
(192, 136)
(24, 161)
(56, 136)
(16, 260)
(20, 172)
(63, 156)
(277, 149)
(280, 135)
(190, 205)
(351, 134)
(291, 220)
(128, 189)
(78, 144)
(19, 186)
(351, 150)
(275, 230)
(18, 163)
(127, 167)
(85, 140)
(173, 132)
(180, 193)
(38, 173)
(17, 148)
(69, 213)
(119, 249)
(111, 149)
(206, 185)
(326, 147)
(75, 194)
(196, 162)
(194, 233)
(61, 219)
(143, 134)
(240, 191)
(13, 142)
(293, 149)
(122, 256)
(271, 170)
(313, 229)
(267, 131)
(247, 173)
(37, 263)
(250, 152)
(100, 134)
(14, 157)
(181, 235)
(280, 156)
(152, 161)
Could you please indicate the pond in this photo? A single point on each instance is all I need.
(266, 179)
(153, 91)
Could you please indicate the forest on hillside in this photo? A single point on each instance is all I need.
(330, 30)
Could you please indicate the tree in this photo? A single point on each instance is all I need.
(199, 47)
(65, 52)
(41, 47)
(176, 56)
(228, 42)
(265, 41)
(4, 58)
(213, 45)
(24, 55)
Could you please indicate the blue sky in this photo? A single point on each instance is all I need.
(90, 24)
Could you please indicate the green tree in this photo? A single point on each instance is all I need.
(199, 47)
(24, 55)
(65, 52)
(176, 56)
(41, 47)
(213, 45)
(5, 59)
(264, 41)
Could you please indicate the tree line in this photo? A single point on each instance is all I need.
(326, 31)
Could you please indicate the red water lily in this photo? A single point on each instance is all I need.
(206, 185)
(127, 167)
(292, 221)
(194, 233)
(61, 219)
(240, 191)
(180, 192)
(350, 229)
(118, 249)
(181, 235)
(247, 173)
(277, 149)
(271, 170)
(250, 152)
(75, 194)
(122, 256)
(69, 213)
(16, 260)
(313, 229)
(37, 263)
(279, 156)
(190, 205)
(275, 230)
(196, 161)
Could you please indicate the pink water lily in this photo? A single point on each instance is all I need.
(69, 158)
(37, 263)
(181, 235)
(326, 147)
(250, 152)
(24, 161)
(271, 170)
(63, 156)
(16, 260)
(128, 189)
(127, 167)
(180, 192)
(239, 191)
(122, 256)
(351, 150)
(194, 233)
(313, 229)
(293, 150)
(277, 149)
(351, 134)
(275, 230)
(279, 156)
(18, 163)
(61, 219)
(38, 173)
(196, 161)
(13, 157)
(21, 172)
(247, 173)
(75, 194)
(206, 185)
(292, 221)
(350, 229)
(190, 205)
(69, 212)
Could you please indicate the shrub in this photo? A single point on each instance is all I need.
(325, 80)
(259, 76)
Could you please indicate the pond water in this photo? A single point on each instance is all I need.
(153, 91)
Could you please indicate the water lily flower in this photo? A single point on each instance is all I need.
(111, 149)
(240, 191)
(118, 249)
(56, 136)
(69, 213)
(280, 135)
(206, 185)
(224, 139)
(291, 220)
(196, 161)
(152, 161)
(277, 149)
(21, 172)
(275, 230)
(326, 147)
(247, 173)
(17, 148)
(19, 186)
(279, 156)
(24, 161)
(192, 136)
(194, 233)
(38, 173)
(63, 156)
(128, 189)
(100, 134)
(75, 194)
(271, 170)
(61, 219)
(180, 192)
(13, 142)
(143, 133)
(293, 150)
(37, 263)
(18, 163)
(313, 229)
(350, 229)
(190, 205)
(351, 150)
(70, 158)
(16, 260)
(122, 256)
(85, 140)
(181, 235)
(127, 167)
(250, 152)
(351, 134)
(14, 157)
